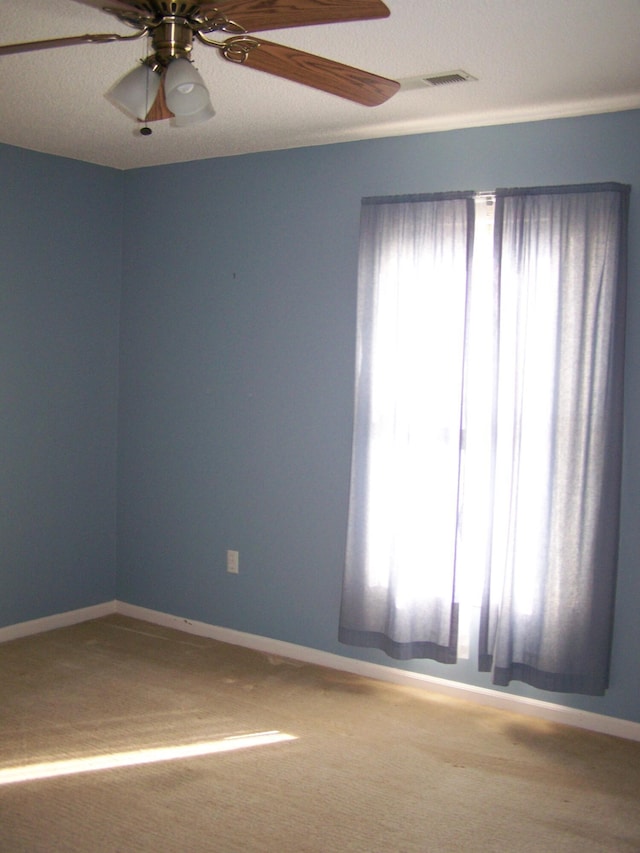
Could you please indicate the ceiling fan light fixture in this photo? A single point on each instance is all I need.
(184, 88)
(137, 91)
(201, 116)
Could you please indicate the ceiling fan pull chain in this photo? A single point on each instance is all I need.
(146, 130)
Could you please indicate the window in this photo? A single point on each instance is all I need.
(487, 431)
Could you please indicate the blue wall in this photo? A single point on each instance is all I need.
(237, 354)
(236, 376)
(60, 270)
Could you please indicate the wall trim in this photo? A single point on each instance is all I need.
(58, 620)
(505, 702)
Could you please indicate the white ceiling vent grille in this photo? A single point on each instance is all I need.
(443, 78)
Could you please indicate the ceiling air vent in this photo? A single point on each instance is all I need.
(443, 78)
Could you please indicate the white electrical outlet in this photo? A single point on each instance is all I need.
(233, 562)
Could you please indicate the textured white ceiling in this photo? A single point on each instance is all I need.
(532, 59)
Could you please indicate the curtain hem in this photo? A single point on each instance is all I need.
(399, 651)
(554, 682)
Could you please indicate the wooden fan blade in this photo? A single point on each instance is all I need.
(257, 15)
(310, 70)
(133, 6)
(69, 41)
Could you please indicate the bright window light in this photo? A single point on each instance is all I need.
(132, 758)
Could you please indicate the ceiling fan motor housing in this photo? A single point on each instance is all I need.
(172, 38)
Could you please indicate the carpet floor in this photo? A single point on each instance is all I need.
(118, 736)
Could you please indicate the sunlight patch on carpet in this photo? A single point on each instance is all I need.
(132, 758)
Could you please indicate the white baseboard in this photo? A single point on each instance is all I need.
(481, 695)
(58, 620)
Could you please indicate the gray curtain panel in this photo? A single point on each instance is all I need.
(560, 261)
(488, 432)
(399, 587)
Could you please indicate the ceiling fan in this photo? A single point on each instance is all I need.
(166, 85)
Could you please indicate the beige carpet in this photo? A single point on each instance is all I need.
(368, 767)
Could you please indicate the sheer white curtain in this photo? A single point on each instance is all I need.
(560, 259)
(401, 551)
(523, 454)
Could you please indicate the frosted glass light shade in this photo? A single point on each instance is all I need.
(204, 114)
(137, 91)
(184, 89)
